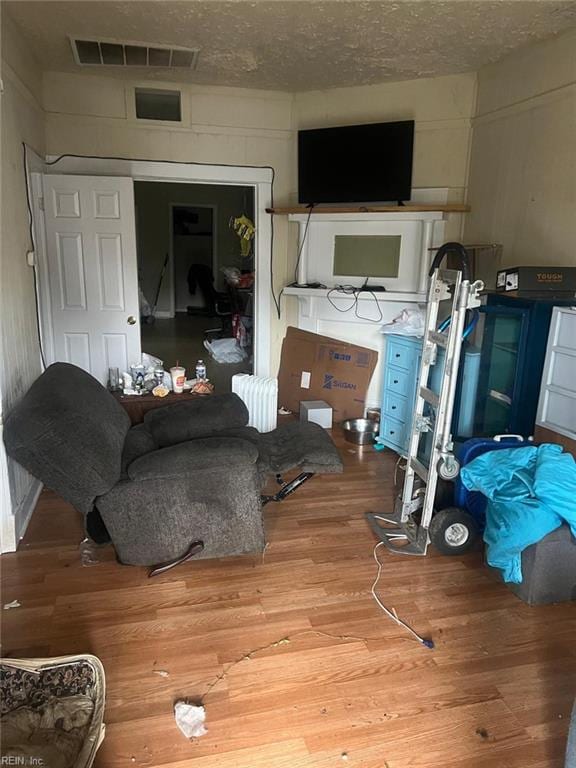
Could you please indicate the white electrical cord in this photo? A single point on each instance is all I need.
(392, 613)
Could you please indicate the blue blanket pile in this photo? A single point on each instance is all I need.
(531, 491)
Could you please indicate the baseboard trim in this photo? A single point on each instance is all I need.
(27, 507)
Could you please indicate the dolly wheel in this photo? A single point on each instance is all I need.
(448, 468)
(453, 531)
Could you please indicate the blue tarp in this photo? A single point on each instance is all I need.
(531, 491)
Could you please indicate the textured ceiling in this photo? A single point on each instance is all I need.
(297, 46)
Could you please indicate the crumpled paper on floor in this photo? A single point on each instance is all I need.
(190, 719)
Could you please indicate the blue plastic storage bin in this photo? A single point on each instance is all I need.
(472, 501)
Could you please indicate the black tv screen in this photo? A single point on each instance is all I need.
(356, 163)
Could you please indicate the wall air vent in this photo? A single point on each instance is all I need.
(89, 52)
(157, 104)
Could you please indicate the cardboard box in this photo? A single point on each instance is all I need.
(316, 411)
(314, 367)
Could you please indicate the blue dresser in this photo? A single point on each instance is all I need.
(401, 365)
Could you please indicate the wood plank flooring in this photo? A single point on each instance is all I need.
(296, 665)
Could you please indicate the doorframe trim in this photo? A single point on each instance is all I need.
(198, 173)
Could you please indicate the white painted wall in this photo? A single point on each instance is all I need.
(523, 160)
(95, 115)
(442, 108)
(22, 121)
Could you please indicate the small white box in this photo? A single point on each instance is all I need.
(317, 411)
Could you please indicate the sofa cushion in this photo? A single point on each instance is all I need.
(251, 435)
(300, 444)
(204, 453)
(68, 431)
(195, 417)
(294, 444)
(138, 442)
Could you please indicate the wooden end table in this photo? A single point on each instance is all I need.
(137, 405)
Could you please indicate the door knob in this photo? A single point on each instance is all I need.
(131, 320)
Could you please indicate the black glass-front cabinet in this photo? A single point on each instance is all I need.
(513, 348)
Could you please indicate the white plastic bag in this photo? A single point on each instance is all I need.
(150, 362)
(225, 350)
(410, 322)
(231, 274)
(190, 719)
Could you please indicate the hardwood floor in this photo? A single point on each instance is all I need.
(295, 664)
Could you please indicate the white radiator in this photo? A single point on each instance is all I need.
(260, 396)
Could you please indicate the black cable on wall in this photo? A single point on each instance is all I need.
(275, 299)
(33, 249)
(354, 293)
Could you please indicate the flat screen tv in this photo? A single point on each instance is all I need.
(356, 163)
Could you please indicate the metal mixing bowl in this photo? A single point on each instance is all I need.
(360, 431)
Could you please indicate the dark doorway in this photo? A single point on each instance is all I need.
(205, 293)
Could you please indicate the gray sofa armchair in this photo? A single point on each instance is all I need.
(191, 472)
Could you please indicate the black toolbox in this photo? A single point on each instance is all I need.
(535, 282)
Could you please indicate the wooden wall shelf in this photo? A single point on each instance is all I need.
(408, 208)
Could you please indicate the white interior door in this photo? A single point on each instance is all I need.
(92, 271)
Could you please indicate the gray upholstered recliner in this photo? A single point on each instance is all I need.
(192, 471)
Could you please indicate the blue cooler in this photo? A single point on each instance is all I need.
(473, 501)
(454, 528)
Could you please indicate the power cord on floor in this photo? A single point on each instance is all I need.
(285, 640)
(392, 613)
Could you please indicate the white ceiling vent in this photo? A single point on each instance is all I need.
(90, 52)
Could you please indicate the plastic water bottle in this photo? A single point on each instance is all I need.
(200, 369)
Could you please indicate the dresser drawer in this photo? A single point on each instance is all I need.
(401, 355)
(397, 406)
(398, 381)
(392, 431)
